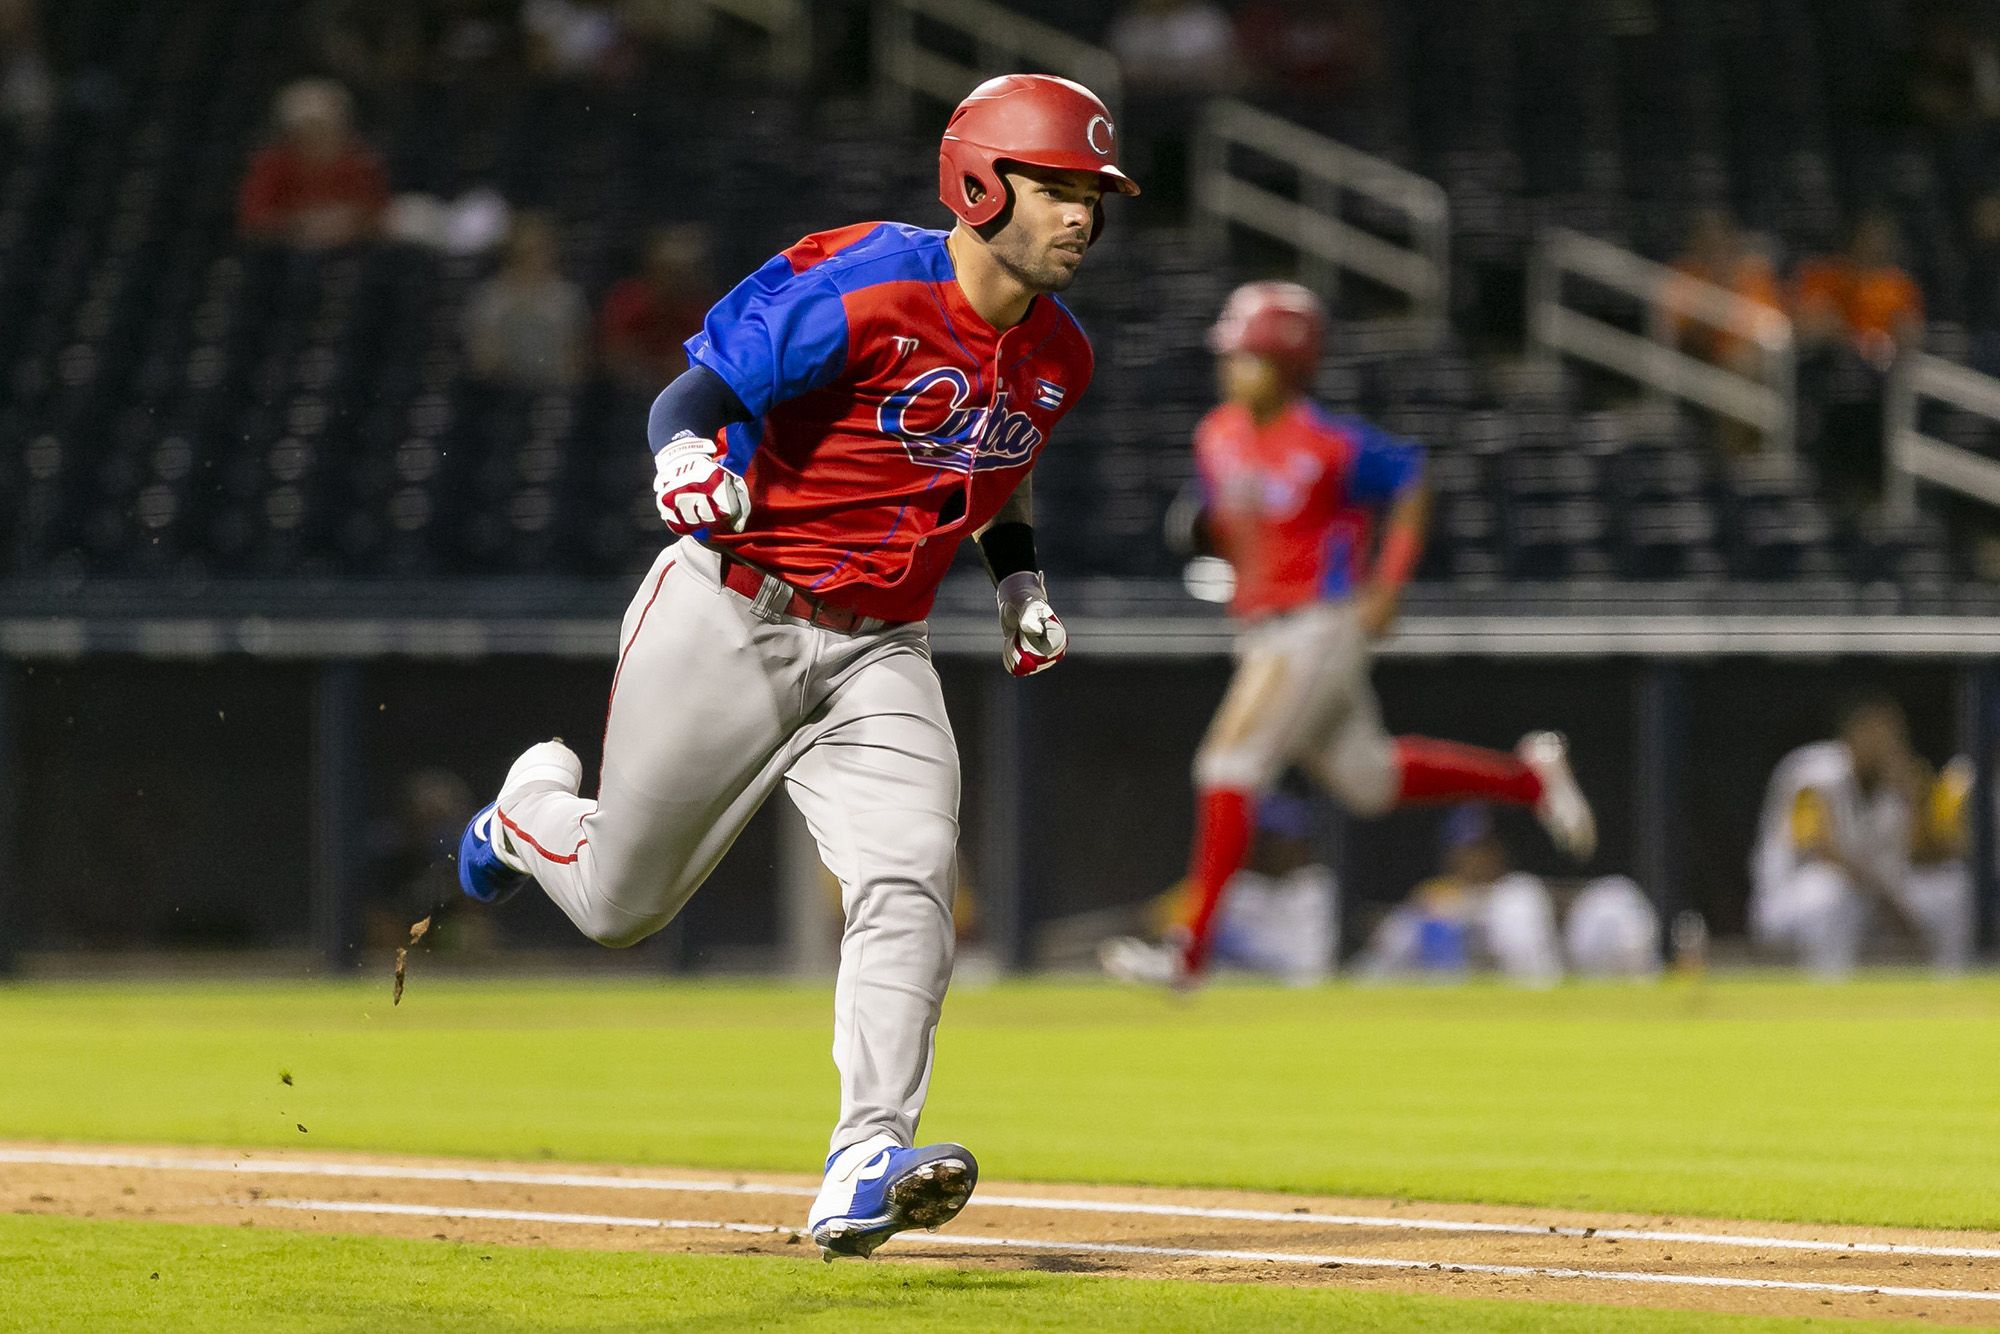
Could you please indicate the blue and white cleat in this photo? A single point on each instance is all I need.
(877, 1188)
(490, 869)
(482, 874)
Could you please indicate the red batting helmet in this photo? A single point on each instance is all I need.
(1036, 120)
(1283, 323)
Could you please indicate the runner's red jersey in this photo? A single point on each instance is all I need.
(1292, 504)
(889, 420)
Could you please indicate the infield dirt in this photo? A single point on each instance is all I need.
(1180, 1234)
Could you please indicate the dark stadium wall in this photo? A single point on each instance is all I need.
(167, 805)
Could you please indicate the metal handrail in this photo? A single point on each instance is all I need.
(788, 24)
(1311, 224)
(1001, 41)
(1915, 456)
(1768, 402)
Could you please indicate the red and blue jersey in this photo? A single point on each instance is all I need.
(889, 420)
(1292, 503)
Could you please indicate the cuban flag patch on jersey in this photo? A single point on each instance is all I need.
(1048, 394)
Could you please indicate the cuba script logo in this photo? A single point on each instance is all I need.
(937, 426)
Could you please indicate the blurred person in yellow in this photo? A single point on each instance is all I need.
(1850, 840)
(1938, 890)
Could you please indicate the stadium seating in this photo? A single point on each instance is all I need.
(182, 407)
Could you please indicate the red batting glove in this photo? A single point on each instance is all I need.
(1032, 636)
(693, 490)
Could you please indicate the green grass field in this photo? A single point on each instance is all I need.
(1872, 1102)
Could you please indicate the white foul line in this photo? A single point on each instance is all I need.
(590, 1181)
(1128, 1248)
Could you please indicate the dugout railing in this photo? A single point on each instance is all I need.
(1076, 782)
(1266, 175)
(1915, 456)
(1562, 325)
(942, 49)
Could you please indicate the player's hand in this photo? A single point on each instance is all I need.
(693, 490)
(1376, 607)
(1032, 636)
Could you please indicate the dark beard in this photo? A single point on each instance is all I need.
(1051, 277)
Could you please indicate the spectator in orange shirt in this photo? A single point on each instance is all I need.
(1721, 254)
(1862, 297)
(647, 316)
(319, 187)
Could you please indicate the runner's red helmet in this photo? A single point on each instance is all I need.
(1281, 322)
(1036, 120)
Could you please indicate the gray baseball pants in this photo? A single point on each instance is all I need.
(1301, 695)
(715, 700)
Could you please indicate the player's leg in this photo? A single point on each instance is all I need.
(877, 779)
(1829, 919)
(701, 703)
(1939, 899)
(1372, 772)
(1286, 676)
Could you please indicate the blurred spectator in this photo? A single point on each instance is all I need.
(575, 39)
(1183, 47)
(1954, 77)
(27, 88)
(369, 44)
(1855, 312)
(647, 316)
(319, 187)
(1281, 915)
(1612, 930)
(1835, 848)
(1309, 51)
(1862, 296)
(378, 44)
(1720, 254)
(526, 327)
(1478, 912)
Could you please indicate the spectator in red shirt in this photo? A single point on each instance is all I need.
(319, 187)
(646, 317)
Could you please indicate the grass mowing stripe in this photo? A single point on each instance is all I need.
(1162, 1252)
(494, 1176)
(105, 1277)
(1869, 1103)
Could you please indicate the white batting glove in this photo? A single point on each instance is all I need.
(693, 490)
(1032, 636)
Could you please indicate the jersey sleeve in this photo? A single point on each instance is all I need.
(1811, 822)
(1385, 465)
(779, 334)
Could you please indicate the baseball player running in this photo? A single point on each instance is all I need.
(852, 411)
(1289, 495)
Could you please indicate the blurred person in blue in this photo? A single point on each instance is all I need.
(1281, 916)
(1477, 912)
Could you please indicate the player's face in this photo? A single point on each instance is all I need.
(1043, 242)
(1251, 381)
(1878, 742)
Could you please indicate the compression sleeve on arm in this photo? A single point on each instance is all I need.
(1008, 548)
(698, 402)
